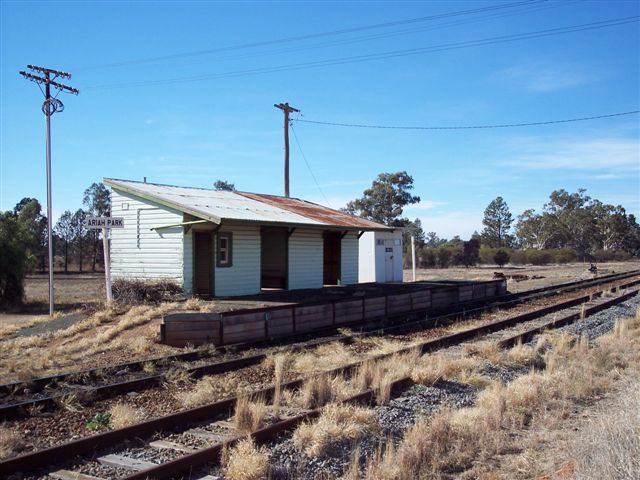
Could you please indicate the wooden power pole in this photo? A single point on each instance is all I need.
(50, 106)
(286, 109)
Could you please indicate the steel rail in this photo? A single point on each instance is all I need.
(88, 445)
(19, 409)
(211, 455)
(41, 382)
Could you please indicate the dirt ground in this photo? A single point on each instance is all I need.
(538, 276)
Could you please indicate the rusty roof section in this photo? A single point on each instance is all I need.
(316, 212)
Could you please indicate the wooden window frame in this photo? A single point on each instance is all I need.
(229, 237)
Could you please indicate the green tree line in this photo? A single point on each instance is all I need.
(570, 227)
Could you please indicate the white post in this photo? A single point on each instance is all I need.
(107, 264)
(413, 257)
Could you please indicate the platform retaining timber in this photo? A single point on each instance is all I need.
(264, 323)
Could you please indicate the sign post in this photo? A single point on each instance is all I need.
(105, 223)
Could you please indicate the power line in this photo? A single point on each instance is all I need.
(465, 127)
(295, 136)
(312, 35)
(383, 55)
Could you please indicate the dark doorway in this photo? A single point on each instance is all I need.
(331, 264)
(203, 264)
(273, 254)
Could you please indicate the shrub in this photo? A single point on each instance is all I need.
(538, 257)
(133, 292)
(501, 257)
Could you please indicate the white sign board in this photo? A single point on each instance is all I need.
(104, 222)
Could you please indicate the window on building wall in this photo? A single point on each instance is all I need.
(224, 249)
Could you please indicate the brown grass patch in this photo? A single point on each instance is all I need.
(245, 461)
(249, 414)
(10, 442)
(337, 423)
(123, 415)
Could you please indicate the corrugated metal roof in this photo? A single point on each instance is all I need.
(217, 206)
(314, 211)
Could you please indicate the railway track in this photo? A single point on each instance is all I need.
(211, 421)
(45, 394)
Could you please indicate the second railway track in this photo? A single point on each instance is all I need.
(176, 463)
(48, 393)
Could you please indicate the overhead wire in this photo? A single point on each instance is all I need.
(295, 136)
(382, 55)
(465, 127)
(298, 38)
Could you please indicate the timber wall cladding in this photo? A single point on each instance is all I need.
(252, 325)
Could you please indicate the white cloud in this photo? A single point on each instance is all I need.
(610, 155)
(425, 205)
(538, 77)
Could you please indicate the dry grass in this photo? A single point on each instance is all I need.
(469, 439)
(432, 368)
(325, 357)
(203, 392)
(609, 445)
(250, 414)
(123, 415)
(278, 375)
(10, 442)
(336, 424)
(245, 462)
(74, 346)
(320, 390)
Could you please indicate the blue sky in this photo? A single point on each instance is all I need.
(205, 111)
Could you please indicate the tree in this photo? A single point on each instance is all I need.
(470, 252)
(97, 199)
(497, 221)
(432, 240)
(32, 225)
(501, 257)
(80, 232)
(384, 201)
(14, 260)
(224, 186)
(64, 230)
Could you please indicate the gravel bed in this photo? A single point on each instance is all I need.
(393, 420)
(602, 322)
(505, 374)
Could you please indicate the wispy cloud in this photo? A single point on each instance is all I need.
(539, 77)
(612, 156)
(426, 205)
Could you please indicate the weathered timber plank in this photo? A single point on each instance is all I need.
(69, 475)
(167, 445)
(128, 463)
(213, 437)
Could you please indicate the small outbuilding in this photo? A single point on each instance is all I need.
(220, 243)
(380, 255)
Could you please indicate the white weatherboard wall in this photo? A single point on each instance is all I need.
(349, 259)
(243, 277)
(137, 252)
(305, 259)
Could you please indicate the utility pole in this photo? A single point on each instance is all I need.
(286, 109)
(50, 106)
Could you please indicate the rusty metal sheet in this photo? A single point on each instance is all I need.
(319, 213)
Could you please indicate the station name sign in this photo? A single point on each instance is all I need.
(104, 222)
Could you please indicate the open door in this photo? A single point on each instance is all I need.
(273, 254)
(331, 263)
(203, 264)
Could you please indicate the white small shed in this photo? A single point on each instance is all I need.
(380, 257)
